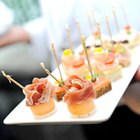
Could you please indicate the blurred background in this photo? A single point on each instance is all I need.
(16, 60)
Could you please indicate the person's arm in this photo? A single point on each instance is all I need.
(24, 34)
(131, 97)
(14, 35)
(137, 75)
(35, 35)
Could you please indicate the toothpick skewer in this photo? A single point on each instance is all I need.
(94, 17)
(47, 71)
(69, 37)
(109, 30)
(90, 21)
(54, 52)
(108, 26)
(89, 65)
(79, 29)
(10, 79)
(124, 14)
(99, 31)
(115, 17)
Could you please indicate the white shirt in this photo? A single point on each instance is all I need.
(6, 18)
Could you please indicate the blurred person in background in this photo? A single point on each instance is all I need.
(40, 32)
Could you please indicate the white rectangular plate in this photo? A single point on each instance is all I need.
(105, 105)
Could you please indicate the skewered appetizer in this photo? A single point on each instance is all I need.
(104, 38)
(74, 63)
(101, 85)
(106, 64)
(79, 97)
(39, 97)
(58, 89)
(58, 92)
(98, 41)
(130, 36)
(67, 58)
(90, 51)
(122, 54)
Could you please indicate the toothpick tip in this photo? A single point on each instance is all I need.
(67, 26)
(4, 74)
(42, 64)
(52, 44)
(83, 37)
(77, 21)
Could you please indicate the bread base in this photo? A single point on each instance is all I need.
(124, 62)
(101, 86)
(112, 74)
(134, 43)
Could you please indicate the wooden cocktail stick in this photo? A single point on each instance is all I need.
(54, 52)
(90, 21)
(47, 71)
(79, 29)
(10, 79)
(69, 37)
(124, 13)
(115, 18)
(89, 65)
(109, 30)
(99, 31)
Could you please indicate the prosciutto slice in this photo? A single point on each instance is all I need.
(78, 90)
(38, 92)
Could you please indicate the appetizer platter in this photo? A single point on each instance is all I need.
(88, 84)
(104, 105)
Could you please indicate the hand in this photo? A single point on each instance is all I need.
(131, 97)
(137, 75)
(14, 35)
